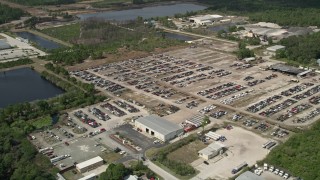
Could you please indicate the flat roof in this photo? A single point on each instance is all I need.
(249, 176)
(90, 176)
(206, 17)
(159, 124)
(89, 162)
(275, 48)
(213, 147)
(196, 120)
(286, 69)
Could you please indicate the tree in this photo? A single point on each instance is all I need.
(115, 172)
(204, 122)
(137, 1)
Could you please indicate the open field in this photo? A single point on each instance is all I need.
(65, 33)
(187, 153)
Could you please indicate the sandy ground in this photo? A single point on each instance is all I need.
(243, 146)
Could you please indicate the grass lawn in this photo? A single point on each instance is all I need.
(69, 175)
(188, 153)
(108, 3)
(110, 157)
(64, 33)
(42, 122)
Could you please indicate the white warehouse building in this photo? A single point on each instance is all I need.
(206, 19)
(212, 150)
(89, 164)
(158, 127)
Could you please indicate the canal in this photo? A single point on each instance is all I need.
(40, 41)
(24, 85)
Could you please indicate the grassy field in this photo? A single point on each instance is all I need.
(65, 33)
(42, 122)
(109, 3)
(110, 157)
(188, 153)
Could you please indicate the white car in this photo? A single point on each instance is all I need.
(276, 171)
(122, 152)
(265, 166)
(271, 169)
(281, 173)
(286, 176)
(258, 171)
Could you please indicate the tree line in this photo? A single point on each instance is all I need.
(119, 171)
(8, 14)
(19, 62)
(43, 2)
(301, 49)
(292, 13)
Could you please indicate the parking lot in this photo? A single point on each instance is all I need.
(20, 50)
(187, 79)
(242, 145)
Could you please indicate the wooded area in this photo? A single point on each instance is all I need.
(98, 37)
(15, 63)
(304, 50)
(300, 154)
(293, 12)
(42, 2)
(8, 14)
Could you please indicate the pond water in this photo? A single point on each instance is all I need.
(40, 41)
(147, 12)
(24, 85)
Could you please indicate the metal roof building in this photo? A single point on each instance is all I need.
(249, 176)
(158, 127)
(4, 45)
(286, 69)
(91, 176)
(205, 19)
(196, 120)
(89, 164)
(212, 150)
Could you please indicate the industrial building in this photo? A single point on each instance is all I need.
(212, 150)
(280, 67)
(206, 19)
(4, 45)
(89, 164)
(158, 127)
(196, 120)
(249, 176)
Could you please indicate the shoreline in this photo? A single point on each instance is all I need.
(132, 7)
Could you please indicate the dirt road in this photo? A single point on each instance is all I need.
(31, 10)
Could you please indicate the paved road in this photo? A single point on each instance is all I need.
(164, 174)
